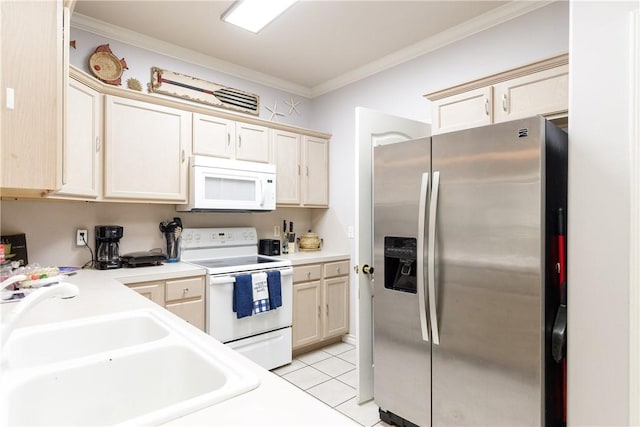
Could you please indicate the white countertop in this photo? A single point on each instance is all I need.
(300, 258)
(275, 402)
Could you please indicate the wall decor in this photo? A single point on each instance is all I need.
(106, 66)
(293, 106)
(134, 84)
(182, 86)
(274, 111)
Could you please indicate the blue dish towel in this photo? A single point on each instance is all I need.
(243, 296)
(275, 289)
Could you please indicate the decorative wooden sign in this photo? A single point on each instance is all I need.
(194, 89)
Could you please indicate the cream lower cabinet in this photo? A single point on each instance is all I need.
(220, 137)
(82, 147)
(540, 88)
(320, 302)
(146, 150)
(302, 167)
(183, 297)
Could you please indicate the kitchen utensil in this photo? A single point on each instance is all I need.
(172, 231)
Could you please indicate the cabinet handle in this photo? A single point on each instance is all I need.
(298, 170)
(307, 167)
(228, 138)
(97, 144)
(185, 291)
(318, 312)
(327, 310)
(486, 106)
(183, 156)
(504, 102)
(239, 141)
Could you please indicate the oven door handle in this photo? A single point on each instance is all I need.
(221, 280)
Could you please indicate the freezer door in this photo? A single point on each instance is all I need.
(401, 355)
(488, 368)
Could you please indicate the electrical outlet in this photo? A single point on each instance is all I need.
(276, 231)
(82, 237)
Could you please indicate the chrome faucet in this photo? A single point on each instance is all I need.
(60, 290)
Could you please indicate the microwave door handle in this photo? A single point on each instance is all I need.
(263, 196)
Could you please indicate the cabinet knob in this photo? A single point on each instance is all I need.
(308, 275)
(185, 291)
(338, 270)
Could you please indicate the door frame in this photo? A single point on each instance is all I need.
(369, 124)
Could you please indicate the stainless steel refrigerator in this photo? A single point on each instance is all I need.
(465, 284)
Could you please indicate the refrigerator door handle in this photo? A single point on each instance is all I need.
(424, 187)
(431, 258)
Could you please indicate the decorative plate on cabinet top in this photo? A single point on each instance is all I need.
(106, 66)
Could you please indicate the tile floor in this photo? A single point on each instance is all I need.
(329, 374)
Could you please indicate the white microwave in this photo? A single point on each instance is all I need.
(230, 185)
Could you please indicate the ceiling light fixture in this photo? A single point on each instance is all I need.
(253, 15)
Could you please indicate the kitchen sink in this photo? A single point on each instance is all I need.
(32, 346)
(131, 368)
(150, 384)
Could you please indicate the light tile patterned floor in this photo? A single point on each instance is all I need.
(329, 374)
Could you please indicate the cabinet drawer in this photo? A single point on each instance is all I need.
(332, 269)
(191, 311)
(304, 273)
(192, 287)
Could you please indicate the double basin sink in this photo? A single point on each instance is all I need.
(131, 368)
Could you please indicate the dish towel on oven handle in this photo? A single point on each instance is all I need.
(275, 289)
(260, 293)
(243, 296)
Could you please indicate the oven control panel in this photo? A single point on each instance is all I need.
(219, 237)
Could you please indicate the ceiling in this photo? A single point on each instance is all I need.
(312, 47)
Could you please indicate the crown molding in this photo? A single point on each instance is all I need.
(104, 29)
(480, 23)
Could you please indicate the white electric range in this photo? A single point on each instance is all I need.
(226, 253)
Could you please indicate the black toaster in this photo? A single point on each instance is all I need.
(269, 247)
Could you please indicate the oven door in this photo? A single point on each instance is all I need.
(222, 322)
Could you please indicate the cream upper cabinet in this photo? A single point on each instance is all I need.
(146, 150)
(465, 110)
(33, 57)
(302, 168)
(82, 148)
(545, 92)
(287, 156)
(315, 176)
(541, 88)
(220, 137)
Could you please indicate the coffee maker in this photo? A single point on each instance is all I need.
(108, 246)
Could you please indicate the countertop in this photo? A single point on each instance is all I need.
(300, 258)
(274, 402)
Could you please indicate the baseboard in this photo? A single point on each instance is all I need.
(349, 339)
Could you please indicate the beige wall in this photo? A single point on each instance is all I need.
(51, 226)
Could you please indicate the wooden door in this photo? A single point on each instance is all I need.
(336, 300)
(316, 171)
(213, 136)
(252, 143)
(307, 313)
(82, 148)
(462, 111)
(286, 155)
(145, 151)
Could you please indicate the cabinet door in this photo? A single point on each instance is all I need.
(191, 311)
(252, 143)
(545, 92)
(151, 290)
(336, 299)
(32, 75)
(213, 136)
(286, 155)
(145, 151)
(316, 171)
(307, 313)
(81, 171)
(462, 111)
